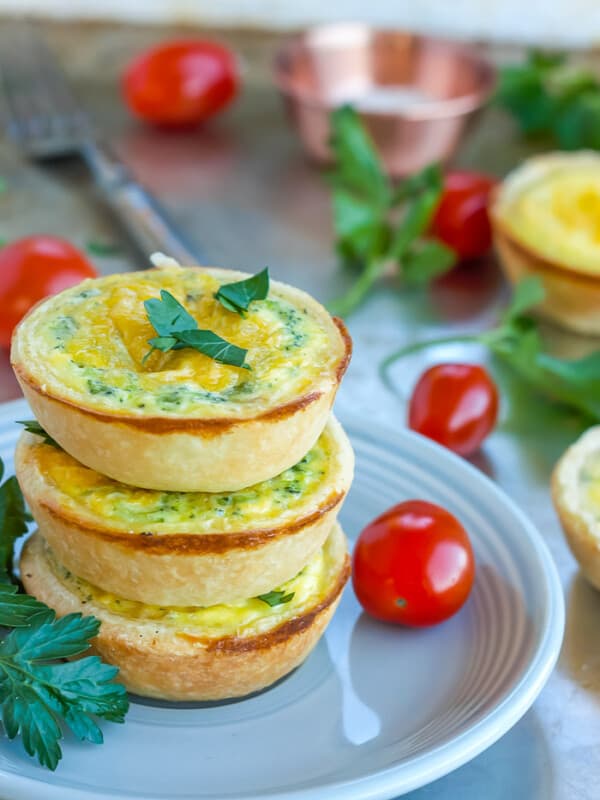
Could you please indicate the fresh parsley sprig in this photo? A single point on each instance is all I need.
(18, 610)
(276, 598)
(176, 329)
(377, 224)
(237, 296)
(13, 522)
(517, 342)
(550, 97)
(39, 692)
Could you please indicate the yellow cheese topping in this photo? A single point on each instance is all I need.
(558, 215)
(251, 616)
(92, 339)
(98, 498)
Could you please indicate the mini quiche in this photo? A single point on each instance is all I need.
(185, 548)
(576, 496)
(195, 653)
(180, 420)
(546, 222)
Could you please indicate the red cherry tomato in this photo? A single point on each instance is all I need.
(413, 565)
(31, 269)
(180, 83)
(455, 405)
(461, 220)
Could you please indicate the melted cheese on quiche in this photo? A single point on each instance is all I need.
(288, 496)
(558, 214)
(92, 339)
(246, 617)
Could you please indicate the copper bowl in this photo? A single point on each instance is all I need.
(416, 94)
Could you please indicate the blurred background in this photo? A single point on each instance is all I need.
(570, 22)
(103, 118)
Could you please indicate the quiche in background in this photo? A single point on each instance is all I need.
(576, 497)
(546, 222)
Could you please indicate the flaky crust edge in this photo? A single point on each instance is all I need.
(186, 453)
(582, 531)
(572, 296)
(168, 666)
(183, 569)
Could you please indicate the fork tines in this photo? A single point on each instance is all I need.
(37, 108)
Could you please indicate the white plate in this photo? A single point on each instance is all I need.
(376, 710)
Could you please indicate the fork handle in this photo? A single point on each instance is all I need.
(143, 219)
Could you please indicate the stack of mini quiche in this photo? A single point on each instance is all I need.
(188, 504)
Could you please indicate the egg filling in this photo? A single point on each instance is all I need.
(291, 495)
(589, 482)
(245, 617)
(558, 215)
(92, 341)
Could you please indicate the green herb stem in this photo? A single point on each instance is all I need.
(376, 222)
(346, 303)
(518, 343)
(415, 347)
(103, 249)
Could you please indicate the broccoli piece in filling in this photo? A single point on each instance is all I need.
(96, 386)
(63, 329)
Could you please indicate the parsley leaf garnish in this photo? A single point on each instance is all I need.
(167, 316)
(237, 296)
(276, 598)
(549, 97)
(13, 522)
(18, 610)
(378, 224)
(177, 329)
(33, 426)
(517, 342)
(214, 346)
(38, 691)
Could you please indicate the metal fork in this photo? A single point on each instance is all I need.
(42, 117)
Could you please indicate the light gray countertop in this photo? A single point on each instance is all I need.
(243, 193)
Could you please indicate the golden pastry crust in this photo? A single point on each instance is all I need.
(572, 299)
(158, 661)
(572, 294)
(194, 452)
(579, 521)
(191, 567)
